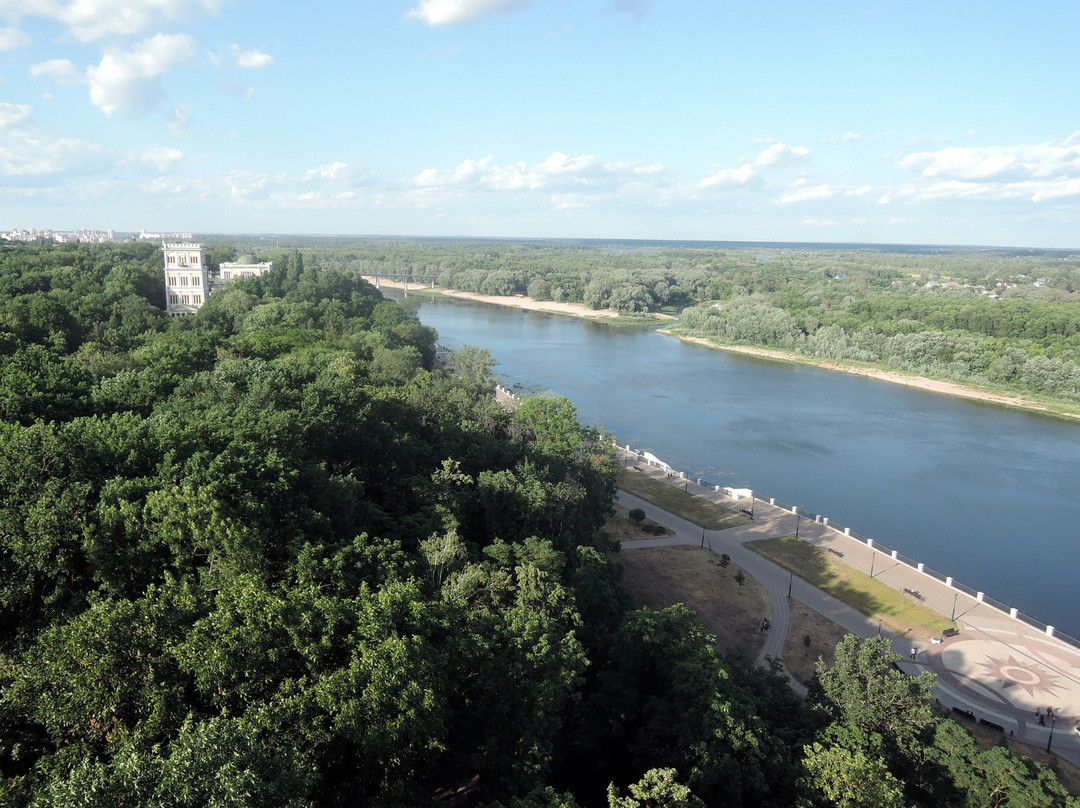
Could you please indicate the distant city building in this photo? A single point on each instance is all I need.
(188, 281)
(176, 237)
(79, 236)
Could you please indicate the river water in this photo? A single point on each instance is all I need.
(980, 492)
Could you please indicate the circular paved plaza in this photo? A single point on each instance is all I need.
(1010, 674)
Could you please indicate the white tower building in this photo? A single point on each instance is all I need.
(187, 282)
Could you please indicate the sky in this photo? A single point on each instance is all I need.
(877, 122)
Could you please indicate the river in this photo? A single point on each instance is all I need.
(980, 492)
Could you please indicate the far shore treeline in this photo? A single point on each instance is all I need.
(274, 555)
(1005, 319)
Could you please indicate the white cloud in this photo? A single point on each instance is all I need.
(178, 121)
(780, 155)
(13, 38)
(61, 70)
(126, 80)
(847, 137)
(1050, 160)
(330, 171)
(804, 192)
(251, 58)
(337, 173)
(1035, 173)
(89, 20)
(248, 184)
(730, 177)
(161, 158)
(456, 12)
(557, 172)
(28, 156)
(776, 155)
(14, 114)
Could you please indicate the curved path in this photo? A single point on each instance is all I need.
(998, 670)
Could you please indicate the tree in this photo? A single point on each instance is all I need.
(539, 289)
(740, 578)
(849, 778)
(636, 515)
(474, 364)
(992, 777)
(725, 562)
(864, 690)
(658, 788)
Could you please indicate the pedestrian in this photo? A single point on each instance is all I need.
(1049, 712)
(914, 652)
(1038, 712)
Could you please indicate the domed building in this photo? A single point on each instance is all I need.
(188, 281)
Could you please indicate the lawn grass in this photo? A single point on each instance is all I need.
(690, 507)
(854, 587)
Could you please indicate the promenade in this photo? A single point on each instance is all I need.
(997, 669)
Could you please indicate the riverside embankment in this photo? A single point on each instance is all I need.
(996, 671)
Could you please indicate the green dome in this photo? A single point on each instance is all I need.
(246, 259)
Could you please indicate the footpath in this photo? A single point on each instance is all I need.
(997, 670)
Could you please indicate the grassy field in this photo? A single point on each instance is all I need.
(873, 598)
(692, 508)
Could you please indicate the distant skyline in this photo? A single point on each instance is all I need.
(871, 122)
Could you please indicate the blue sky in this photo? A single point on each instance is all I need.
(898, 122)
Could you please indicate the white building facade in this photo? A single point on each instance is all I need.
(187, 278)
(244, 267)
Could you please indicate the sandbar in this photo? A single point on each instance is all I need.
(549, 306)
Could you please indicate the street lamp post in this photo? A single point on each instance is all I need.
(873, 558)
(1053, 720)
(791, 580)
(798, 520)
(954, 597)
(752, 500)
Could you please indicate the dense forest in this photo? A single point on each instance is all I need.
(273, 555)
(1009, 320)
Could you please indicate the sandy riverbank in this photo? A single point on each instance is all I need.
(519, 302)
(920, 382)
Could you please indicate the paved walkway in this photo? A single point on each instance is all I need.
(997, 669)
